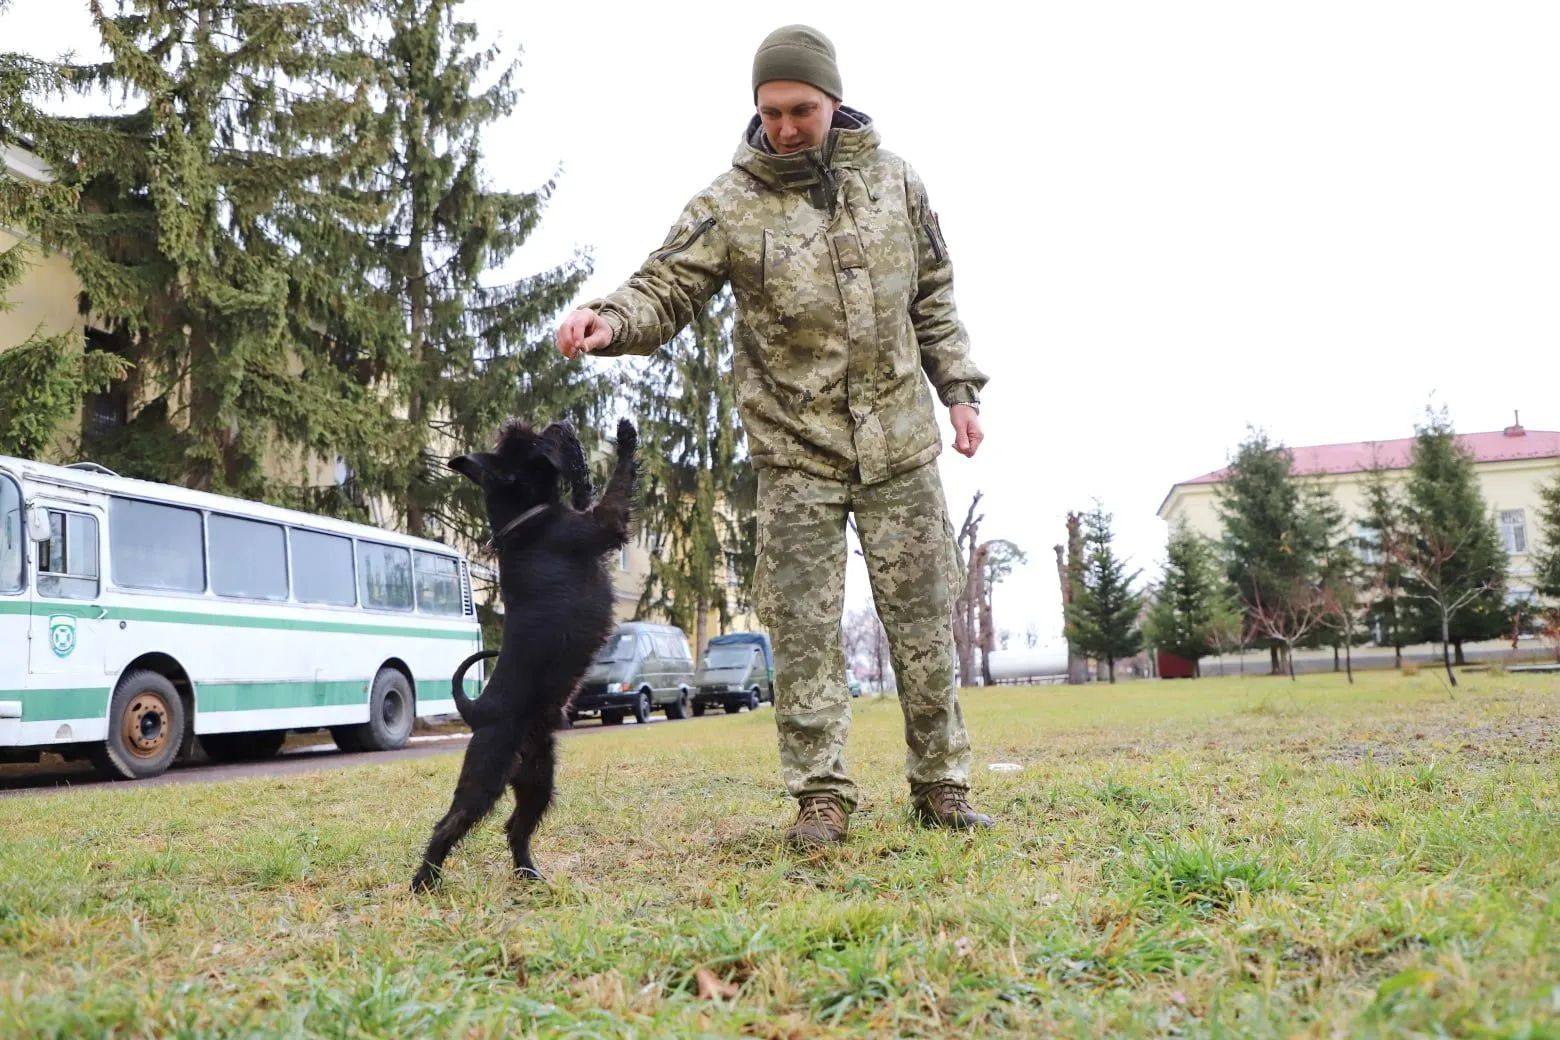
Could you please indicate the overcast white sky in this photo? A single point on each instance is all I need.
(1167, 220)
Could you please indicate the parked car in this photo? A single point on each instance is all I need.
(641, 668)
(738, 671)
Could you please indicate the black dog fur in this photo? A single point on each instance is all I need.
(557, 614)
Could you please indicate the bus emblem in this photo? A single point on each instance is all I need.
(62, 634)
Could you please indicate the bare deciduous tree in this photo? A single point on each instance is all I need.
(1288, 616)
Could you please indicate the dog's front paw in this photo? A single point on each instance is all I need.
(627, 438)
(424, 880)
(529, 873)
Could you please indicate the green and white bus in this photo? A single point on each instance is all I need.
(136, 617)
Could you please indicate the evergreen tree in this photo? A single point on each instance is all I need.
(1189, 599)
(44, 377)
(1276, 532)
(699, 492)
(1453, 562)
(475, 351)
(1102, 620)
(1546, 554)
(164, 210)
(1344, 590)
(1387, 613)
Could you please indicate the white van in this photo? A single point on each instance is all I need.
(135, 617)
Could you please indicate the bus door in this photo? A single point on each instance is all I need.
(65, 640)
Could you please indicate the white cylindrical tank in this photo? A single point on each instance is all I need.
(1038, 662)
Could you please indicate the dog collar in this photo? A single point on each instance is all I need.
(509, 528)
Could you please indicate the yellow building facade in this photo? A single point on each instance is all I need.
(1512, 464)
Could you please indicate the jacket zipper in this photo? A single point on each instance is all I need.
(698, 233)
(932, 232)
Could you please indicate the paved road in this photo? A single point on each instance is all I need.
(18, 780)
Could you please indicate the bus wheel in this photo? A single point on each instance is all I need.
(145, 728)
(243, 747)
(390, 713)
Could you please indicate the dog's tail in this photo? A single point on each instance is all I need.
(470, 710)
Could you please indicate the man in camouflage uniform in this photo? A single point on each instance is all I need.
(844, 295)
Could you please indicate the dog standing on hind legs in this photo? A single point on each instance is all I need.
(557, 613)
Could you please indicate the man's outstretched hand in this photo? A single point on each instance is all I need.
(966, 429)
(582, 332)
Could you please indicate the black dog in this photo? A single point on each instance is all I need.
(557, 614)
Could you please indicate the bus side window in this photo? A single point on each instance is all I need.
(322, 569)
(385, 576)
(438, 584)
(12, 542)
(68, 561)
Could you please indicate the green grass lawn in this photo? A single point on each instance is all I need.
(1247, 857)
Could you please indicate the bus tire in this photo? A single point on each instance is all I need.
(243, 747)
(145, 728)
(391, 713)
(346, 738)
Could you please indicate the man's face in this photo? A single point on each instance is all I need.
(796, 116)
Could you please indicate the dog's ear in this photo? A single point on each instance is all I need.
(562, 448)
(477, 466)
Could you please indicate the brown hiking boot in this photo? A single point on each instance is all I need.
(949, 806)
(821, 820)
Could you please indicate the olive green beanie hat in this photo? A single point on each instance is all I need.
(799, 53)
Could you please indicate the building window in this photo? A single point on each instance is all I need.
(1368, 543)
(103, 413)
(1513, 531)
(732, 578)
(623, 558)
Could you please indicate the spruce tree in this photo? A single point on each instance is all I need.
(1276, 531)
(164, 210)
(699, 492)
(1546, 554)
(1102, 621)
(1453, 562)
(476, 351)
(1388, 614)
(1189, 599)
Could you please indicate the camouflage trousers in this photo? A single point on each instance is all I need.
(912, 560)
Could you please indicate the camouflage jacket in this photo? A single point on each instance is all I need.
(844, 295)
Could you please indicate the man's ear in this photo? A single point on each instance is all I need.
(476, 466)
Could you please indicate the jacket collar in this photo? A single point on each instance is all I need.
(850, 142)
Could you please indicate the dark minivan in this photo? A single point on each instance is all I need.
(738, 671)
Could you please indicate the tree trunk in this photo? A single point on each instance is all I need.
(1348, 660)
(701, 627)
(1110, 665)
(1289, 661)
(1458, 649)
(988, 629)
(1446, 646)
(1397, 657)
(1278, 667)
(1336, 663)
